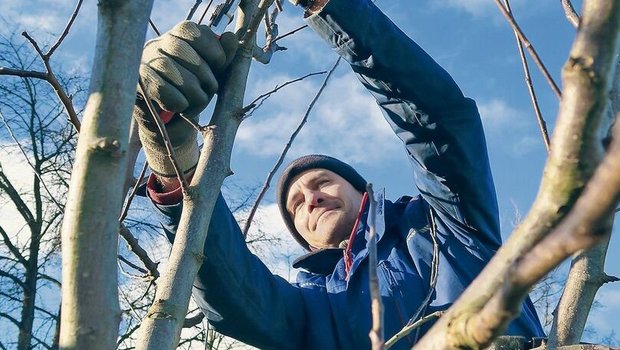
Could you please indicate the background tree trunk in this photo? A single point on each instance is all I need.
(90, 307)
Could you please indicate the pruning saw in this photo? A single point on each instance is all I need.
(223, 15)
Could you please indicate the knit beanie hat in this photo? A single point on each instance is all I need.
(312, 161)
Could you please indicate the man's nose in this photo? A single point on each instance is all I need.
(314, 199)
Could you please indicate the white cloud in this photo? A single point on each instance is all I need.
(480, 7)
(345, 123)
(20, 175)
(497, 114)
(509, 128)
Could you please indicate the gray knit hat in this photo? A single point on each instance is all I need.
(312, 161)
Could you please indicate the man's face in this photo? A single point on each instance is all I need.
(324, 207)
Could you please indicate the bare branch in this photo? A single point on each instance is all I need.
(255, 104)
(165, 137)
(12, 248)
(65, 31)
(290, 33)
(154, 27)
(23, 73)
(376, 306)
(570, 12)
(542, 124)
(408, 329)
(529, 48)
(192, 10)
(569, 167)
(36, 173)
(133, 192)
(288, 145)
(132, 265)
(134, 246)
(204, 13)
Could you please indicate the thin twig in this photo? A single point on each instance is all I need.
(570, 12)
(528, 82)
(132, 265)
(122, 293)
(191, 122)
(278, 163)
(279, 5)
(165, 137)
(135, 248)
(36, 173)
(408, 329)
(264, 54)
(290, 33)
(50, 77)
(254, 105)
(204, 13)
(529, 48)
(154, 27)
(254, 22)
(376, 306)
(62, 36)
(192, 10)
(133, 192)
(434, 273)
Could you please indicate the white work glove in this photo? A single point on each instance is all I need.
(180, 72)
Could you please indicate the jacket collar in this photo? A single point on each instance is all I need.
(323, 261)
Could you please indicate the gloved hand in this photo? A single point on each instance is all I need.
(180, 72)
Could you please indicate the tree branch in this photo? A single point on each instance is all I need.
(530, 49)
(570, 165)
(288, 145)
(376, 306)
(570, 13)
(542, 124)
(65, 31)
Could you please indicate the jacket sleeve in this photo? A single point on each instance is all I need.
(239, 295)
(440, 128)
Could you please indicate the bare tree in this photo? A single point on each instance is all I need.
(33, 133)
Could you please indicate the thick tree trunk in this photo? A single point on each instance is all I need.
(162, 326)
(90, 309)
(575, 152)
(587, 272)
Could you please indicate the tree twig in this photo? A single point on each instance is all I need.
(204, 13)
(409, 328)
(255, 104)
(133, 192)
(165, 137)
(288, 145)
(530, 49)
(152, 24)
(570, 13)
(36, 173)
(136, 248)
(50, 77)
(290, 33)
(542, 124)
(192, 10)
(376, 306)
(62, 36)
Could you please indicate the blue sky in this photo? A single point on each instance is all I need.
(469, 38)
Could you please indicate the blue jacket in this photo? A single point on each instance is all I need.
(443, 136)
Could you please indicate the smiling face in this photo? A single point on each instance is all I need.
(323, 206)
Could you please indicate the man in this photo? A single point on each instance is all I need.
(432, 245)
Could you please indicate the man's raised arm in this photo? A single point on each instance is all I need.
(441, 129)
